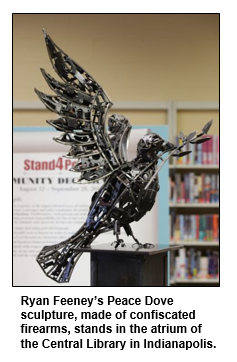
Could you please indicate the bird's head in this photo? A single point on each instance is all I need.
(150, 145)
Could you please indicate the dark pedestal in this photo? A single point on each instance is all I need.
(125, 267)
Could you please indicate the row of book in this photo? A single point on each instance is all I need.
(194, 227)
(194, 188)
(191, 263)
(206, 153)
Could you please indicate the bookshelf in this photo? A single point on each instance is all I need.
(195, 205)
(191, 282)
(202, 251)
(195, 243)
(194, 167)
(198, 262)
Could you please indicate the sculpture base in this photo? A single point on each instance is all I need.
(125, 267)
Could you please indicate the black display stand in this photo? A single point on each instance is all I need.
(128, 266)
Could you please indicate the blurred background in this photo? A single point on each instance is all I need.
(158, 69)
(140, 58)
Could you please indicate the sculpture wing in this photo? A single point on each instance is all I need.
(83, 105)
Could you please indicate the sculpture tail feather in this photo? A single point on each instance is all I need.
(58, 261)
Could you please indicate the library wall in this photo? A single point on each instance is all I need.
(151, 57)
(187, 119)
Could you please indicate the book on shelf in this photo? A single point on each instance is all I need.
(194, 188)
(195, 264)
(194, 227)
(206, 153)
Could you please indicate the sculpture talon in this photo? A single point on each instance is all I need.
(130, 188)
(118, 242)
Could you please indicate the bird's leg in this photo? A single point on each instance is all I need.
(129, 232)
(117, 233)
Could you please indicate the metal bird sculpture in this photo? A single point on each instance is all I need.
(100, 147)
